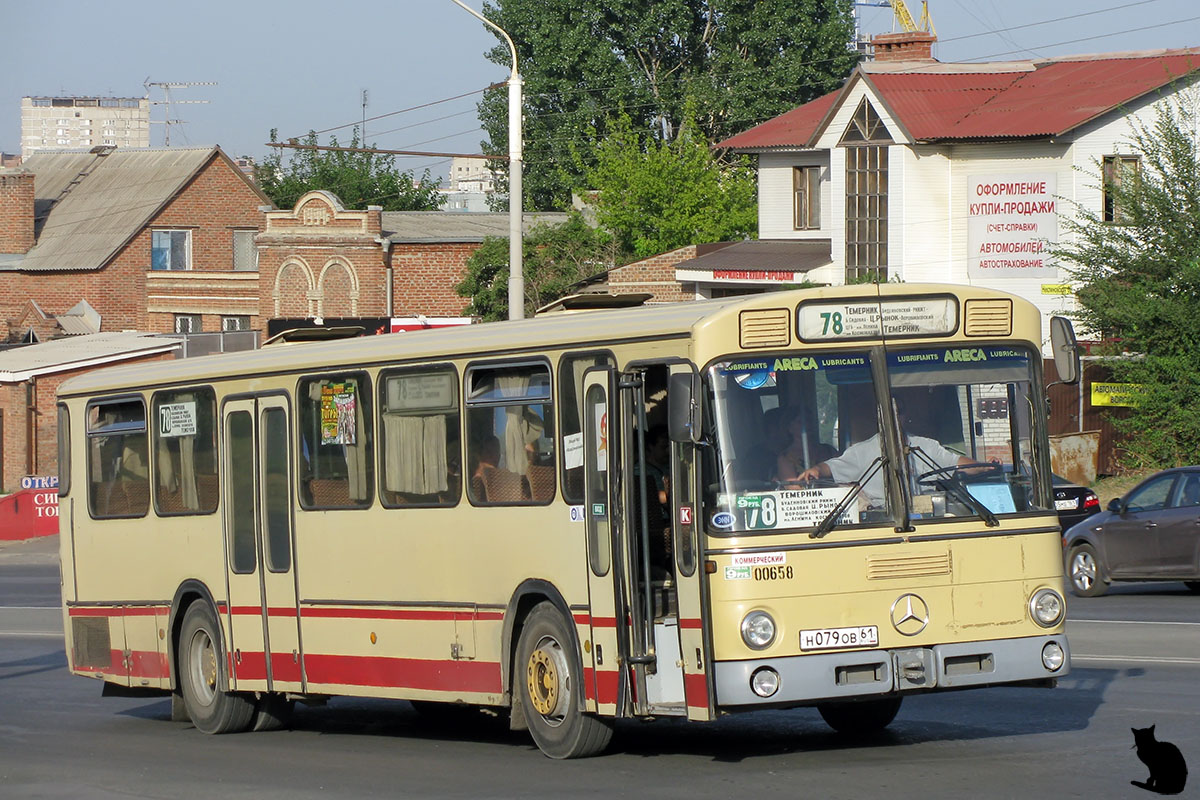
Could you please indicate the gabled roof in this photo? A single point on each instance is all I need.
(90, 204)
(78, 352)
(934, 101)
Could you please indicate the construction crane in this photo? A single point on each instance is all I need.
(904, 18)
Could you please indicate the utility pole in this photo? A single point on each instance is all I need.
(364, 118)
(516, 252)
(166, 87)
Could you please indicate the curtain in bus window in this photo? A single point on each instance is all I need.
(415, 448)
(522, 427)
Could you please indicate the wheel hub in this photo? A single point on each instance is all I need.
(543, 681)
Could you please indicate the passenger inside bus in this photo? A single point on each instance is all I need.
(801, 446)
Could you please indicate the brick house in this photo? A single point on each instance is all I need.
(321, 260)
(152, 240)
(29, 380)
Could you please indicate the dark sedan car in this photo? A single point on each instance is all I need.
(1073, 502)
(1152, 533)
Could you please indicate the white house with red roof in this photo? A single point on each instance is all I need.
(920, 170)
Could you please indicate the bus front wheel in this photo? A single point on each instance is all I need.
(200, 672)
(860, 718)
(548, 686)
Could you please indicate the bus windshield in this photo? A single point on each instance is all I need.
(796, 436)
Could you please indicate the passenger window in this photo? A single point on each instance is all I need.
(185, 452)
(336, 469)
(420, 455)
(118, 468)
(510, 422)
(570, 379)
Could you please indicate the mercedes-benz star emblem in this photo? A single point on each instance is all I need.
(910, 614)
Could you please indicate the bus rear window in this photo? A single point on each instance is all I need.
(335, 441)
(118, 467)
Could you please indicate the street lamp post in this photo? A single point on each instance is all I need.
(516, 265)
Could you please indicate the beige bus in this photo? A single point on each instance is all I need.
(824, 497)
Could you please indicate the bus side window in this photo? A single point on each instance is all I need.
(336, 468)
(510, 447)
(118, 464)
(185, 450)
(570, 403)
(420, 456)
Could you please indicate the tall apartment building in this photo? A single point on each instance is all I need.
(63, 123)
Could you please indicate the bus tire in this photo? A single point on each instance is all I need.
(272, 712)
(860, 718)
(201, 663)
(548, 687)
(1083, 571)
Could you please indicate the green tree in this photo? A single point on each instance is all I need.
(1139, 283)
(358, 179)
(656, 196)
(555, 256)
(741, 61)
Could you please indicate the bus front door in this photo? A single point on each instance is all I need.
(263, 613)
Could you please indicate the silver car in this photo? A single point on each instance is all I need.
(1150, 534)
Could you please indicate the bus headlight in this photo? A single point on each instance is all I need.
(1047, 607)
(758, 630)
(1052, 656)
(764, 682)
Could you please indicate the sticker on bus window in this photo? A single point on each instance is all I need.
(737, 573)
(572, 450)
(177, 419)
(338, 405)
(801, 508)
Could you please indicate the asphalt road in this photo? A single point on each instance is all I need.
(1137, 663)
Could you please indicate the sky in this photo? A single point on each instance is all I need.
(301, 65)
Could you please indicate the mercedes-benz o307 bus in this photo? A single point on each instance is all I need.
(473, 516)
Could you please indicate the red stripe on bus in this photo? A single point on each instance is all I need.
(284, 667)
(249, 666)
(408, 673)
(695, 689)
(604, 622)
(117, 611)
(370, 613)
(606, 686)
(143, 664)
(581, 619)
(589, 683)
(691, 624)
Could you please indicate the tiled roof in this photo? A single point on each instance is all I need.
(934, 101)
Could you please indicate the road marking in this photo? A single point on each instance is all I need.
(1136, 659)
(30, 634)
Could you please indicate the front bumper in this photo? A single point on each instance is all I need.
(861, 673)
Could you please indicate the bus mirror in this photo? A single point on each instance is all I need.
(1065, 348)
(683, 408)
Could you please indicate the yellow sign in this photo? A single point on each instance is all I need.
(1056, 288)
(1116, 394)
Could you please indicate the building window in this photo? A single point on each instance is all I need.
(187, 323)
(171, 250)
(239, 322)
(245, 254)
(1119, 174)
(806, 187)
(865, 142)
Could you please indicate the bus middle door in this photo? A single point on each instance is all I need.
(263, 608)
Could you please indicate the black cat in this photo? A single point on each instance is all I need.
(1168, 772)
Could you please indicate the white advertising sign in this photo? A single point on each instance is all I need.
(1012, 221)
(177, 419)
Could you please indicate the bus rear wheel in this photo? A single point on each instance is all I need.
(548, 685)
(201, 667)
(860, 718)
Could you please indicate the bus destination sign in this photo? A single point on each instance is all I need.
(873, 319)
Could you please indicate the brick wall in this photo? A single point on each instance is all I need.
(425, 277)
(14, 445)
(655, 275)
(212, 205)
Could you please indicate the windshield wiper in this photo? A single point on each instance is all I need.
(833, 516)
(955, 486)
